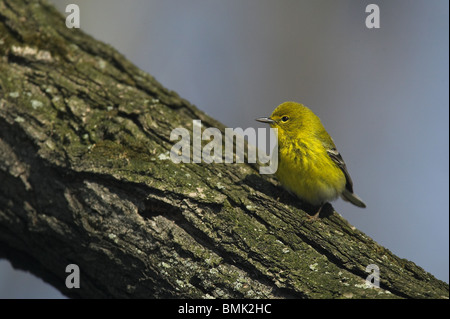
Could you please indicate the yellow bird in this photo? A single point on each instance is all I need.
(309, 165)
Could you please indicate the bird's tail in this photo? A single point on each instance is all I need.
(352, 198)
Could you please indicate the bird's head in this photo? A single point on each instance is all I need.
(292, 118)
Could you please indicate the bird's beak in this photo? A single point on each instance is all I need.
(267, 120)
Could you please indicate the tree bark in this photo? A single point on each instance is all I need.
(86, 179)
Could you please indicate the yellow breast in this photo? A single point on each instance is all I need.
(308, 171)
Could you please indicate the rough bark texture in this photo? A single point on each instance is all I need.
(85, 178)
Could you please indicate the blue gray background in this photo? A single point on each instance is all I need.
(381, 93)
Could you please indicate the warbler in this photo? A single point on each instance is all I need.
(309, 165)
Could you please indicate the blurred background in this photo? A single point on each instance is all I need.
(383, 94)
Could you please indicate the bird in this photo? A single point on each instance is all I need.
(309, 164)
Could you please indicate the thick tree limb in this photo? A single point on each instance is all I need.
(85, 179)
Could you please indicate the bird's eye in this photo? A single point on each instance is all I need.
(284, 118)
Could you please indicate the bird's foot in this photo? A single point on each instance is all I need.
(315, 217)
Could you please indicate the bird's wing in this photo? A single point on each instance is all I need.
(337, 158)
(347, 194)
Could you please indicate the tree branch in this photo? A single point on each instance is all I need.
(86, 179)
